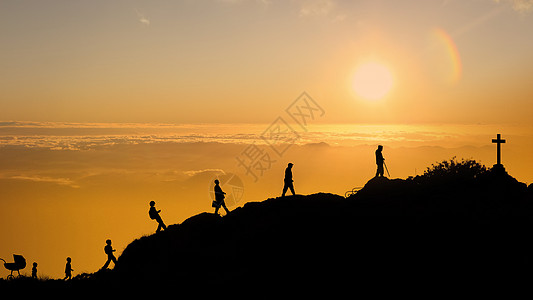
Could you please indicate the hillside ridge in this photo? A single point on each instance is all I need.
(388, 222)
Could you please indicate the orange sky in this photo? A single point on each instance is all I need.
(106, 105)
(239, 60)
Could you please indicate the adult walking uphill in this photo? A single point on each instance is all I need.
(288, 180)
(219, 198)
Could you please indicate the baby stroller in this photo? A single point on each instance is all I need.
(19, 264)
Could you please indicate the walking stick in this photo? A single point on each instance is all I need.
(387, 169)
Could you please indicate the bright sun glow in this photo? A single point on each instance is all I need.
(372, 81)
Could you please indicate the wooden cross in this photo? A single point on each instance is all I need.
(498, 141)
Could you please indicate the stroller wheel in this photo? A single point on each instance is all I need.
(10, 277)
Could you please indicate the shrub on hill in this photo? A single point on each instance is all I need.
(453, 171)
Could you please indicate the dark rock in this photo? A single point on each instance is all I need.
(434, 228)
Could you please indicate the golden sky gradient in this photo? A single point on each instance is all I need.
(106, 105)
(231, 61)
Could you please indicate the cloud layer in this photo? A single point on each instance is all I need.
(86, 136)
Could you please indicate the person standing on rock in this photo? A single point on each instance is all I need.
(380, 161)
(288, 180)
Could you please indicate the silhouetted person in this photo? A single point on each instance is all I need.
(380, 161)
(219, 198)
(154, 215)
(288, 180)
(34, 270)
(68, 269)
(110, 257)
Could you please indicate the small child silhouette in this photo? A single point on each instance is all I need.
(110, 257)
(68, 269)
(34, 270)
(154, 215)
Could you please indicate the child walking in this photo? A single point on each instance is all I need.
(154, 215)
(68, 269)
(108, 249)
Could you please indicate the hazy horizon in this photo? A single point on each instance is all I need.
(72, 186)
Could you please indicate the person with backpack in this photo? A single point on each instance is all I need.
(154, 215)
(108, 249)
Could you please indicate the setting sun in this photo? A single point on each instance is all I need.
(109, 106)
(372, 81)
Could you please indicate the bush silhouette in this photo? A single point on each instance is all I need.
(453, 171)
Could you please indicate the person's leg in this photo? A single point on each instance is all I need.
(161, 224)
(158, 227)
(114, 259)
(292, 189)
(224, 205)
(106, 263)
(284, 190)
(380, 170)
(216, 210)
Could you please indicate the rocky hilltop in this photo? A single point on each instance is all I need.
(449, 225)
(465, 226)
